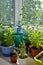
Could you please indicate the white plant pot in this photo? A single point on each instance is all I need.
(22, 61)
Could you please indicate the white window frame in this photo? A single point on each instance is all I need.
(18, 6)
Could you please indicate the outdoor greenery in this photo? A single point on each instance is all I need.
(6, 12)
(31, 12)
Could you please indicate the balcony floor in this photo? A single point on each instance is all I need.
(6, 60)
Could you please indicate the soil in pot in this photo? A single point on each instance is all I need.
(13, 57)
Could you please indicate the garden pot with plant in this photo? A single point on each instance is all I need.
(35, 38)
(39, 58)
(7, 41)
(14, 55)
(23, 55)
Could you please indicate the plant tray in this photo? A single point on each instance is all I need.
(38, 61)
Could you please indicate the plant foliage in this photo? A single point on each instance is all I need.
(36, 38)
(7, 37)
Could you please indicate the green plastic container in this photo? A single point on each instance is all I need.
(18, 38)
(38, 62)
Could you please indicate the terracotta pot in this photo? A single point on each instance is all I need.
(13, 57)
(34, 51)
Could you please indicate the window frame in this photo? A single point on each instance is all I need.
(18, 6)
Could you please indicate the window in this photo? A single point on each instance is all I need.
(18, 7)
(7, 11)
(32, 12)
(10, 10)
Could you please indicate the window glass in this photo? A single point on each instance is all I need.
(32, 12)
(6, 12)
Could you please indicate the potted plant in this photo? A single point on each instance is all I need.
(22, 55)
(14, 55)
(39, 58)
(35, 38)
(7, 41)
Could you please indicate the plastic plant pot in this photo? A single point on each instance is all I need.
(13, 57)
(38, 61)
(34, 52)
(7, 50)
